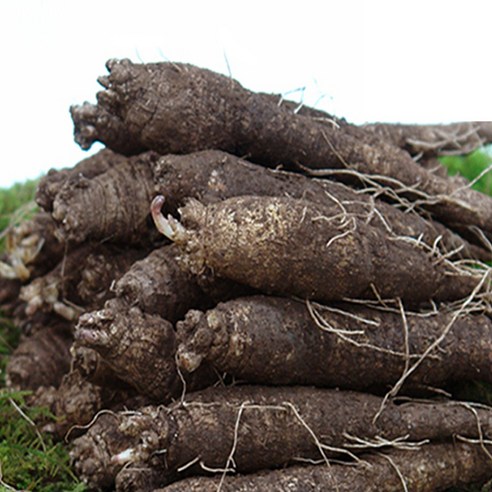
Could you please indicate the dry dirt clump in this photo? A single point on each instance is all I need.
(241, 294)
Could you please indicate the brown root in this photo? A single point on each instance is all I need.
(288, 246)
(80, 281)
(93, 368)
(451, 139)
(50, 185)
(76, 402)
(243, 428)
(212, 176)
(268, 340)
(426, 469)
(42, 359)
(111, 206)
(157, 285)
(148, 103)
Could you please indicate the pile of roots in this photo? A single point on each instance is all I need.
(241, 293)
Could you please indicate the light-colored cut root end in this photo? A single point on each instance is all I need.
(92, 337)
(16, 269)
(187, 360)
(6, 271)
(124, 457)
(70, 313)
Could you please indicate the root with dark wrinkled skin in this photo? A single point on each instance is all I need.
(212, 176)
(277, 341)
(180, 108)
(451, 139)
(41, 359)
(427, 468)
(111, 206)
(50, 184)
(250, 428)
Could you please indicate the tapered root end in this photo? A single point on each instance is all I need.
(109, 99)
(170, 227)
(103, 123)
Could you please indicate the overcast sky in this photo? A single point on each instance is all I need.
(376, 60)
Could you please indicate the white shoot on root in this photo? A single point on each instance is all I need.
(68, 312)
(7, 271)
(170, 227)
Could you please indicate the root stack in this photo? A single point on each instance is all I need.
(199, 320)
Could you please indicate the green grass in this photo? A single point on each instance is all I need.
(31, 460)
(16, 204)
(471, 166)
(14, 199)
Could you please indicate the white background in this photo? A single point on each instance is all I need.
(383, 60)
